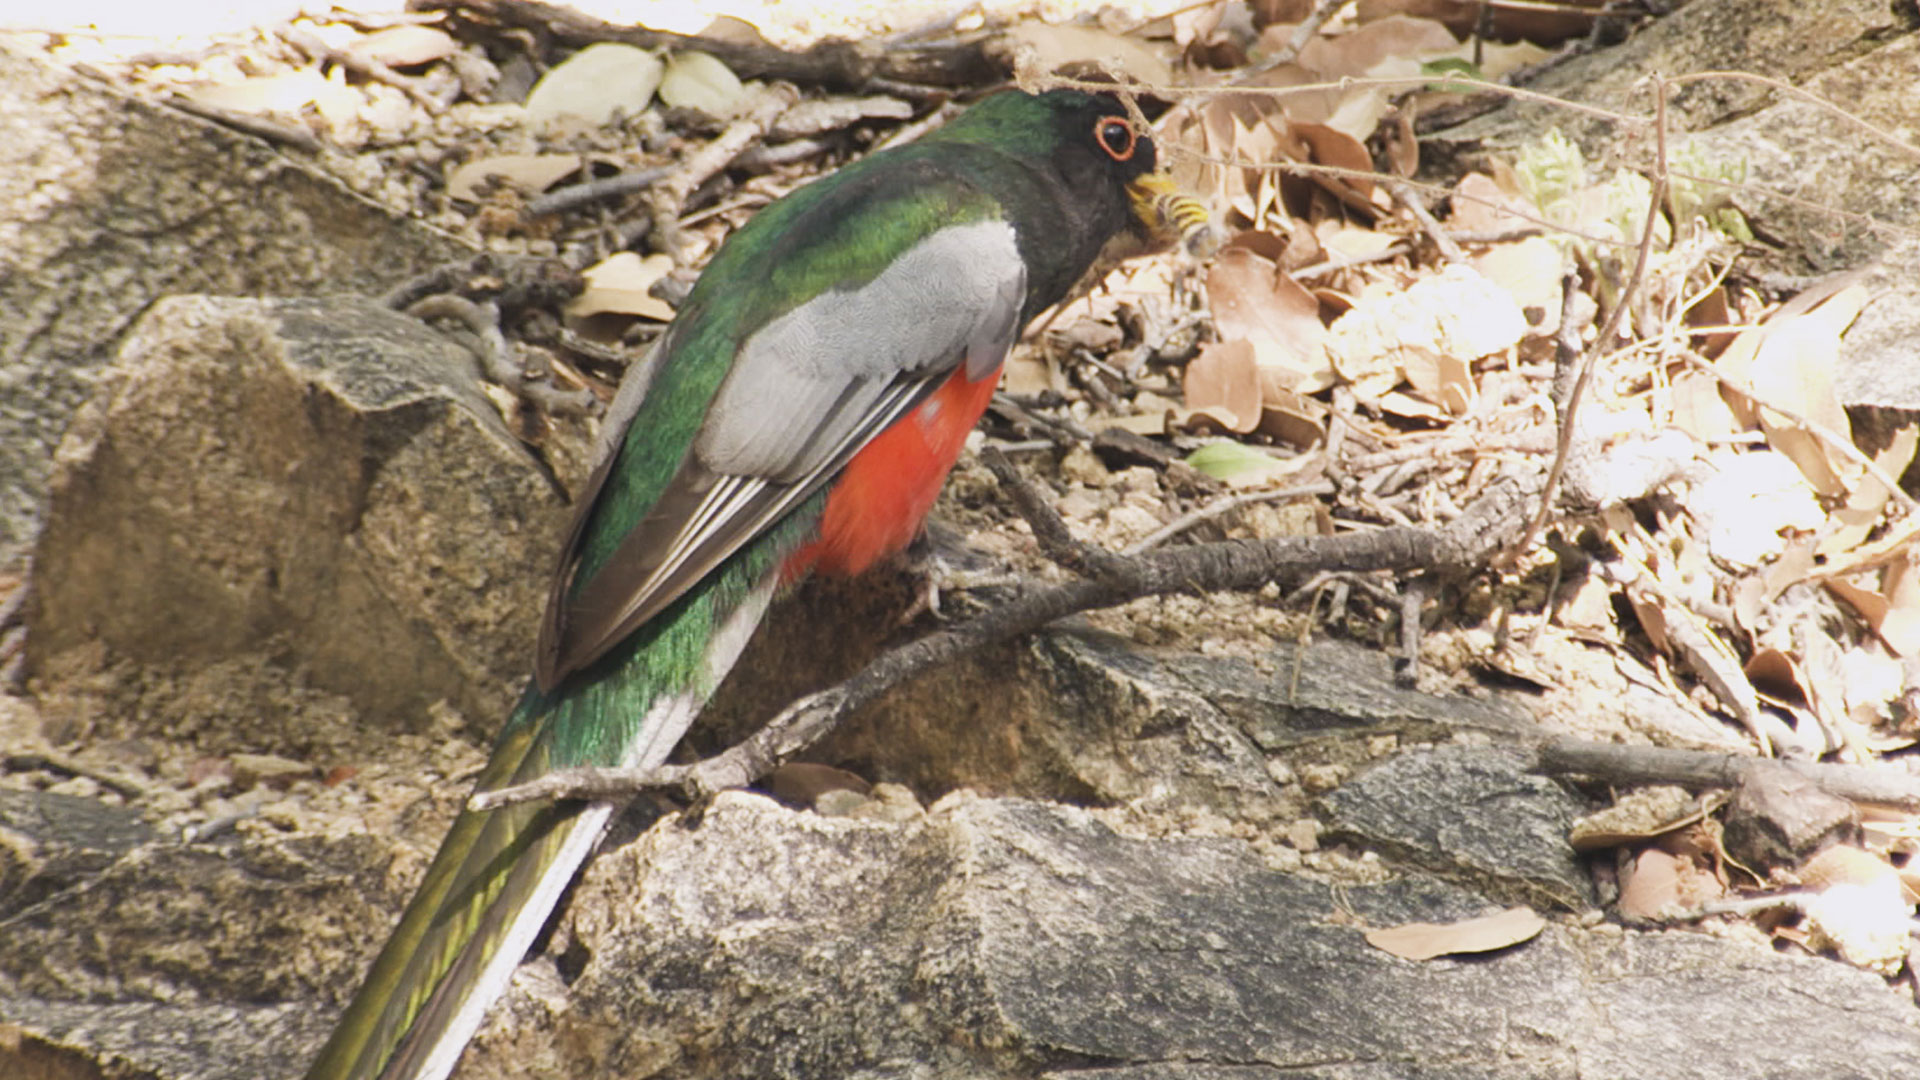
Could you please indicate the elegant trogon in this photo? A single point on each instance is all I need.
(799, 414)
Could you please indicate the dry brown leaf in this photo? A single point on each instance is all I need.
(1223, 382)
(1650, 885)
(1900, 583)
(1748, 501)
(1652, 617)
(1027, 373)
(1898, 626)
(1428, 334)
(1497, 58)
(619, 284)
(1424, 941)
(1531, 271)
(1055, 47)
(1252, 300)
(1481, 203)
(1866, 924)
(1334, 147)
(1775, 675)
(1854, 521)
(1343, 241)
(1589, 608)
(529, 173)
(1791, 360)
(1843, 864)
(1712, 310)
(404, 46)
(1378, 41)
(1291, 418)
(287, 94)
(1699, 409)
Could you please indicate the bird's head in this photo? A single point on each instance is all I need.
(1093, 141)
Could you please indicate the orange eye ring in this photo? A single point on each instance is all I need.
(1116, 137)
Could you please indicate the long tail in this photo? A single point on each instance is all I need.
(490, 889)
(499, 874)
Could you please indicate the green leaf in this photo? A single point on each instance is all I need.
(1227, 459)
(1451, 65)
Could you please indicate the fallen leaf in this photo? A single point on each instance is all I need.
(1377, 41)
(404, 46)
(1481, 204)
(285, 94)
(1054, 47)
(1867, 925)
(1428, 335)
(1027, 373)
(1856, 520)
(1699, 409)
(1291, 418)
(1424, 941)
(1224, 382)
(1531, 271)
(618, 284)
(593, 85)
(1252, 300)
(1650, 885)
(1236, 463)
(695, 80)
(1747, 501)
(1334, 147)
(527, 173)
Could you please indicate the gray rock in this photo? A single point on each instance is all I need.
(50, 843)
(310, 480)
(104, 909)
(138, 1040)
(109, 202)
(1088, 717)
(1007, 938)
(1471, 814)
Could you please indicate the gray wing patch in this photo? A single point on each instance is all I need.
(807, 379)
(807, 392)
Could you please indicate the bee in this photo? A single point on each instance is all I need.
(1178, 217)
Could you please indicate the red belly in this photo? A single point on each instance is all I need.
(876, 506)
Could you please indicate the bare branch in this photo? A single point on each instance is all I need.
(1460, 545)
(1706, 769)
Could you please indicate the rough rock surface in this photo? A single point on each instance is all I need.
(108, 203)
(1010, 938)
(315, 480)
(1472, 814)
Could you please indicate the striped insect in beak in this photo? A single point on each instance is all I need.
(1169, 215)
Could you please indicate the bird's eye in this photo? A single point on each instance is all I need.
(1115, 136)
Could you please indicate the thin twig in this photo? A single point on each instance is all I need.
(1619, 764)
(1287, 53)
(669, 196)
(1407, 197)
(1222, 505)
(260, 127)
(592, 191)
(365, 66)
(1569, 412)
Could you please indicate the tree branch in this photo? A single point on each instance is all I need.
(1461, 545)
